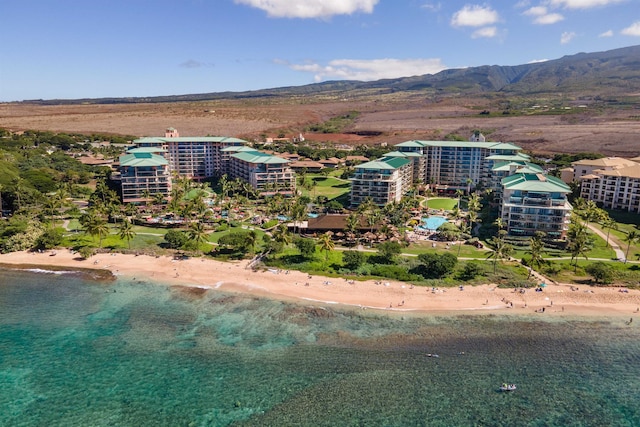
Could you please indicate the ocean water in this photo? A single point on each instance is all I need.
(77, 352)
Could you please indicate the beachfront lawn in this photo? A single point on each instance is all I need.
(464, 251)
(445, 203)
(141, 242)
(564, 271)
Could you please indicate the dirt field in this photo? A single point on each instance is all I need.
(612, 133)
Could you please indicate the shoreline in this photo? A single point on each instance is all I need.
(295, 286)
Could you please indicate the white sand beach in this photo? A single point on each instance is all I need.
(554, 300)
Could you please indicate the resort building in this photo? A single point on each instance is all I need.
(502, 170)
(147, 169)
(613, 189)
(589, 167)
(144, 172)
(196, 158)
(266, 173)
(385, 180)
(460, 165)
(535, 202)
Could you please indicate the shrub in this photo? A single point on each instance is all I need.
(601, 272)
(86, 252)
(470, 270)
(307, 247)
(353, 259)
(49, 239)
(176, 239)
(435, 266)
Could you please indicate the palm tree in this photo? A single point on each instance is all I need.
(632, 237)
(281, 235)
(459, 194)
(18, 188)
(610, 224)
(499, 222)
(580, 242)
(157, 199)
(126, 232)
(536, 251)
(96, 225)
(501, 249)
(373, 216)
(225, 185)
(326, 244)
(469, 181)
(252, 239)
(197, 233)
(298, 213)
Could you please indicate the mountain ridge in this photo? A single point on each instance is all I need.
(600, 73)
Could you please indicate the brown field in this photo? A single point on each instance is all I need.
(611, 132)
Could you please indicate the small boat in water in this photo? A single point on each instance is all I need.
(507, 387)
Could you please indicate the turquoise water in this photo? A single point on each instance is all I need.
(75, 352)
(432, 223)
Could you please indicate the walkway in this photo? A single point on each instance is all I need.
(619, 252)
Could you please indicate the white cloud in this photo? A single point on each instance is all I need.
(632, 30)
(606, 34)
(310, 8)
(369, 69)
(474, 16)
(536, 11)
(536, 61)
(566, 37)
(583, 4)
(550, 18)
(542, 15)
(487, 32)
(433, 7)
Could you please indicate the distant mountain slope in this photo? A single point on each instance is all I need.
(609, 72)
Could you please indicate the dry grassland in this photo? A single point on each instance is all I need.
(614, 132)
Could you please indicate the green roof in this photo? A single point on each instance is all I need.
(509, 157)
(535, 182)
(402, 154)
(237, 148)
(521, 167)
(413, 143)
(385, 163)
(142, 159)
(146, 150)
(258, 157)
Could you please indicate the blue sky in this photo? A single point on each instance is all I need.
(116, 48)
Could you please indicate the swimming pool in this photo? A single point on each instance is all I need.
(432, 223)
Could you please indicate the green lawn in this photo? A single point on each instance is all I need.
(330, 187)
(445, 203)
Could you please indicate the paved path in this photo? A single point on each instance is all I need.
(619, 252)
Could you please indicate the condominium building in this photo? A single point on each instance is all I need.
(535, 202)
(385, 180)
(144, 172)
(266, 173)
(613, 189)
(460, 165)
(196, 158)
(502, 170)
(149, 166)
(590, 166)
